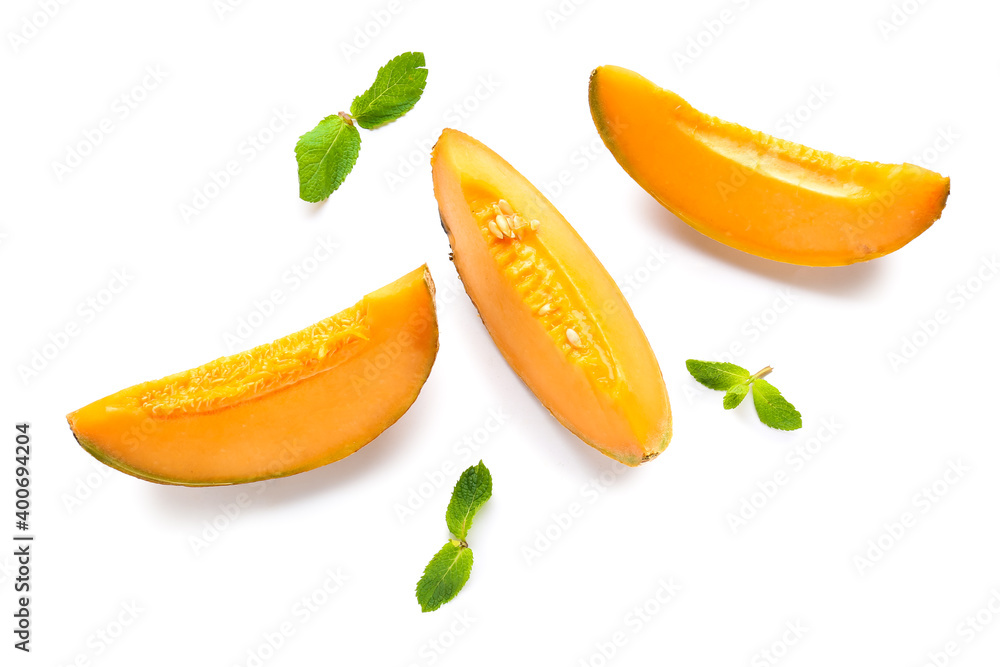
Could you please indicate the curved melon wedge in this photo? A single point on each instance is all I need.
(300, 402)
(551, 307)
(757, 193)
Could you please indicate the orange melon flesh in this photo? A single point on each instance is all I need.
(601, 380)
(300, 402)
(757, 193)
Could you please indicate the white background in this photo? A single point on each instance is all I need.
(105, 540)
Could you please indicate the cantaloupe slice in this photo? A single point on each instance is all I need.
(550, 306)
(757, 193)
(300, 402)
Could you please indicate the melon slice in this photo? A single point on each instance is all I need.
(300, 402)
(757, 193)
(551, 307)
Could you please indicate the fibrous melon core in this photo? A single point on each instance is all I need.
(540, 282)
(230, 380)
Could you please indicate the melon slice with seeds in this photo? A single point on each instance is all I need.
(551, 307)
(300, 402)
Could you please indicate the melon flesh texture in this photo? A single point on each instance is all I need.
(300, 402)
(608, 389)
(757, 193)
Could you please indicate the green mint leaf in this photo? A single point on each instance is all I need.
(473, 489)
(773, 409)
(326, 154)
(735, 395)
(717, 374)
(445, 575)
(398, 86)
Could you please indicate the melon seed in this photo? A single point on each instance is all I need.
(502, 225)
(574, 338)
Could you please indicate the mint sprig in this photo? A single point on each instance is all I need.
(326, 154)
(450, 567)
(772, 408)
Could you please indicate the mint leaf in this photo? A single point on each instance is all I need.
(473, 489)
(773, 409)
(326, 154)
(397, 87)
(717, 374)
(735, 395)
(445, 575)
